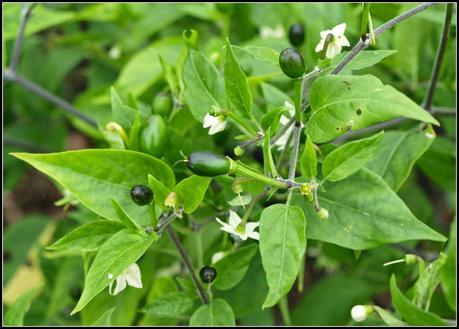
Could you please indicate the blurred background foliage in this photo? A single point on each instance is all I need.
(78, 51)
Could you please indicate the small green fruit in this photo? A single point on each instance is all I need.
(292, 63)
(296, 34)
(204, 163)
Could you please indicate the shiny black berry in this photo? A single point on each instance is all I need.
(292, 63)
(141, 194)
(296, 34)
(207, 274)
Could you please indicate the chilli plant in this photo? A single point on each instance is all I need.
(249, 179)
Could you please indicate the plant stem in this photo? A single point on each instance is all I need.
(285, 313)
(362, 45)
(43, 93)
(24, 145)
(187, 261)
(439, 58)
(25, 15)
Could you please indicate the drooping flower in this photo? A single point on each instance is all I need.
(335, 45)
(216, 123)
(238, 229)
(130, 276)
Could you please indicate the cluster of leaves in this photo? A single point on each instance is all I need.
(162, 79)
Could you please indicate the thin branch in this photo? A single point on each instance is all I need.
(439, 58)
(316, 199)
(443, 111)
(25, 15)
(362, 45)
(187, 261)
(43, 93)
(24, 145)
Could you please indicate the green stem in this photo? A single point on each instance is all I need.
(241, 169)
(285, 313)
(248, 211)
(323, 54)
(364, 24)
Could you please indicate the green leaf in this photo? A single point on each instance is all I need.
(231, 269)
(347, 159)
(105, 318)
(363, 213)
(282, 245)
(238, 95)
(124, 217)
(14, 316)
(345, 102)
(123, 114)
(364, 59)
(271, 119)
(94, 176)
(216, 313)
(88, 237)
(409, 312)
(159, 190)
(261, 53)
(308, 160)
(268, 160)
(204, 87)
(396, 155)
(172, 305)
(191, 191)
(448, 275)
(114, 256)
(388, 317)
(274, 96)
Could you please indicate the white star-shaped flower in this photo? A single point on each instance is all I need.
(283, 139)
(336, 43)
(216, 123)
(235, 227)
(130, 276)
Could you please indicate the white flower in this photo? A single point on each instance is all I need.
(282, 140)
(360, 312)
(267, 32)
(130, 276)
(216, 123)
(336, 43)
(235, 227)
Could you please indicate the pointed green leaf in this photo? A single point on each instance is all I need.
(204, 87)
(216, 313)
(409, 312)
(124, 217)
(122, 114)
(388, 317)
(191, 191)
(282, 245)
(342, 102)
(159, 190)
(231, 269)
(88, 237)
(238, 95)
(94, 176)
(396, 155)
(113, 257)
(265, 54)
(363, 213)
(364, 59)
(308, 160)
(347, 159)
(105, 319)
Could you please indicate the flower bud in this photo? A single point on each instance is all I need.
(238, 151)
(171, 200)
(323, 213)
(360, 312)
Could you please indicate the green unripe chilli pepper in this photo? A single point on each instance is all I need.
(205, 163)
